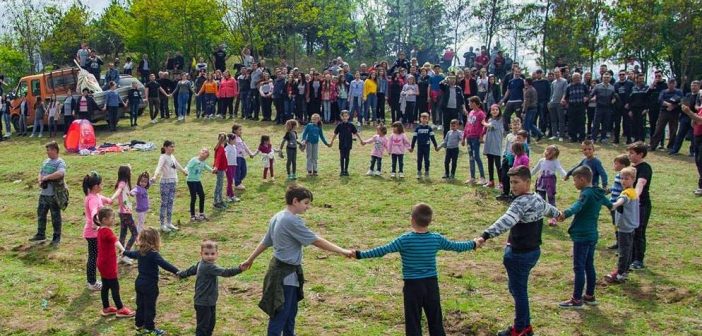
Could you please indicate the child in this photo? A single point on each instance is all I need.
(520, 156)
(637, 153)
(220, 168)
(397, 145)
(626, 214)
(546, 183)
(310, 138)
(345, 131)
(380, 144)
(167, 168)
(508, 158)
(620, 162)
(592, 162)
(126, 221)
(107, 264)
(451, 141)
(39, 111)
(423, 133)
(206, 286)
(141, 193)
(195, 167)
(92, 186)
(472, 132)
(146, 283)
(418, 249)
(282, 286)
(494, 132)
(231, 154)
(291, 148)
(583, 233)
(241, 149)
(524, 220)
(268, 158)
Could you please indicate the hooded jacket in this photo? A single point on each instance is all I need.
(586, 211)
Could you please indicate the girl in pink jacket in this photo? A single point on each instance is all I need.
(398, 144)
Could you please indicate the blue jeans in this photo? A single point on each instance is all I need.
(542, 113)
(218, 187)
(240, 170)
(341, 102)
(370, 106)
(245, 104)
(584, 268)
(210, 102)
(518, 266)
(284, 320)
(38, 124)
(199, 105)
(289, 107)
(133, 114)
(529, 124)
(355, 106)
(474, 157)
(326, 107)
(182, 103)
(6, 120)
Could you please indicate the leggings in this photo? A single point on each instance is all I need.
(452, 160)
(218, 187)
(423, 156)
(269, 168)
(231, 172)
(312, 152)
(141, 218)
(291, 163)
(375, 160)
(344, 156)
(126, 223)
(398, 158)
(91, 265)
(107, 286)
(167, 197)
(195, 188)
(493, 166)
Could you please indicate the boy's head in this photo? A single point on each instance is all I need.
(519, 180)
(588, 148)
(345, 115)
(298, 198)
(522, 136)
(582, 177)
(628, 176)
(515, 125)
(424, 118)
(421, 215)
(637, 152)
(454, 124)
(208, 250)
(621, 161)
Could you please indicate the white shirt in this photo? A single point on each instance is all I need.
(231, 153)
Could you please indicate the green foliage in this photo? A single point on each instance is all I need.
(69, 30)
(13, 63)
(109, 30)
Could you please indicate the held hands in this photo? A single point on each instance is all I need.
(246, 265)
(351, 254)
(561, 217)
(479, 242)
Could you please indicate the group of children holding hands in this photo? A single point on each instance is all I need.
(287, 232)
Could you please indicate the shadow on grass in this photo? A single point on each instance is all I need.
(78, 305)
(595, 319)
(34, 254)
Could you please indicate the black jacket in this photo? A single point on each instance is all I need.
(459, 95)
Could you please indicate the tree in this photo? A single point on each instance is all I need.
(110, 29)
(455, 10)
(492, 16)
(30, 22)
(69, 30)
(13, 63)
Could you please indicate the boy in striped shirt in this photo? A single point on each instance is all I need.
(418, 250)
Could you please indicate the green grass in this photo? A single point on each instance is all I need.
(342, 297)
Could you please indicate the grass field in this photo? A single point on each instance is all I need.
(43, 289)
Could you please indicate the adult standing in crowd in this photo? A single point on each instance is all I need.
(575, 98)
(93, 64)
(604, 96)
(513, 96)
(657, 86)
(220, 57)
(690, 100)
(543, 93)
(68, 108)
(50, 179)
(620, 118)
(555, 106)
(638, 105)
(143, 68)
(669, 101)
(82, 55)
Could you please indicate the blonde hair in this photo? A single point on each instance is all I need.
(290, 125)
(555, 152)
(149, 240)
(628, 171)
(208, 244)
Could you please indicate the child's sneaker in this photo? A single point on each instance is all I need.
(452, 177)
(377, 173)
(482, 181)
(95, 287)
(240, 187)
(156, 332)
(469, 181)
(426, 174)
(402, 175)
(614, 277)
(172, 227)
(108, 311)
(445, 177)
(590, 300)
(125, 312)
(498, 186)
(571, 304)
(165, 228)
(490, 184)
(193, 218)
(511, 331)
(294, 176)
(419, 174)
(202, 217)
(392, 175)
(369, 172)
(637, 265)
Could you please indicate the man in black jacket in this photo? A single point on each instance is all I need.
(623, 89)
(452, 101)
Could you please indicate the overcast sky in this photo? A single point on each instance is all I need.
(96, 5)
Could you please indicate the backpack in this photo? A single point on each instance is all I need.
(61, 194)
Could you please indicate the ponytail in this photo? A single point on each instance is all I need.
(91, 180)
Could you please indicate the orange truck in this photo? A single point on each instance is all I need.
(57, 83)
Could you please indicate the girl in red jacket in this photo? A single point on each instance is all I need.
(220, 166)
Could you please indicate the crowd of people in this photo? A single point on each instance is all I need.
(521, 110)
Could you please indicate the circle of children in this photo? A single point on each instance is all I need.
(288, 234)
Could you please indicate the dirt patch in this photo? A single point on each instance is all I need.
(468, 324)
